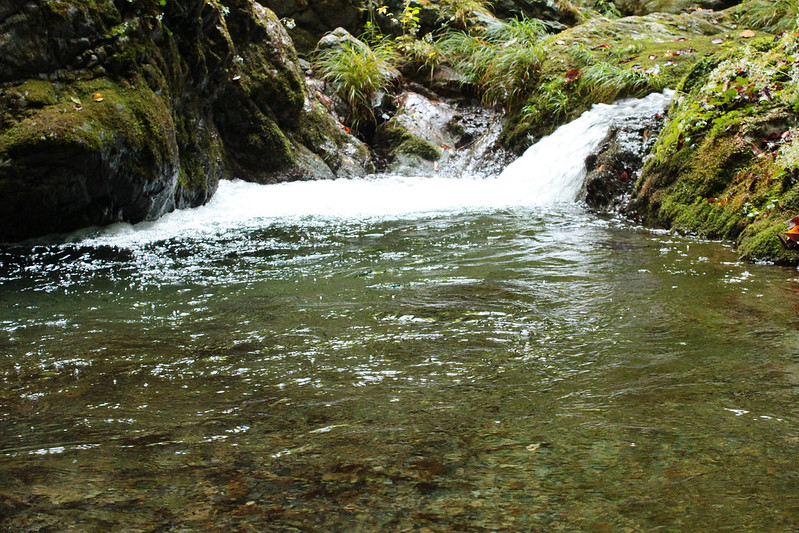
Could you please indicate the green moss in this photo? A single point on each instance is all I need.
(760, 242)
(96, 115)
(37, 93)
(68, 9)
(192, 174)
(396, 140)
(419, 147)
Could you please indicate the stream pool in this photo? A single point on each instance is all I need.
(496, 369)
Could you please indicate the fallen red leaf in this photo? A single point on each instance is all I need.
(573, 75)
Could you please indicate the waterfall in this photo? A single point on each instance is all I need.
(553, 169)
(550, 171)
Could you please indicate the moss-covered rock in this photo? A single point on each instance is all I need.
(726, 165)
(645, 7)
(116, 110)
(405, 152)
(606, 59)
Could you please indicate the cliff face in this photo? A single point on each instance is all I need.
(113, 110)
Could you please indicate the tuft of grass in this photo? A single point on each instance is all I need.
(461, 12)
(516, 30)
(771, 15)
(358, 74)
(511, 74)
(606, 82)
(502, 61)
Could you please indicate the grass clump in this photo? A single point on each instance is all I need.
(774, 16)
(606, 82)
(502, 61)
(359, 74)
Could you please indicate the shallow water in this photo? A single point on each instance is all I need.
(397, 354)
(509, 370)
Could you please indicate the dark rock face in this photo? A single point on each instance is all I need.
(122, 111)
(614, 168)
(311, 20)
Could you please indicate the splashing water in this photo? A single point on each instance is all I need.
(550, 171)
(553, 169)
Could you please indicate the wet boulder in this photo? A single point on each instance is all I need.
(431, 135)
(614, 167)
(130, 110)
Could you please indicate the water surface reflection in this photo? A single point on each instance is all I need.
(502, 371)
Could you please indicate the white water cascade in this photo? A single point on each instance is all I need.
(553, 169)
(550, 171)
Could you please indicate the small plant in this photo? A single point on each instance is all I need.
(423, 54)
(771, 15)
(358, 74)
(459, 12)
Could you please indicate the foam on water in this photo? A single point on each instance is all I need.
(551, 171)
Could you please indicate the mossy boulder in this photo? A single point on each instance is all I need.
(606, 59)
(100, 152)
(118, 110)
(727, 164)
(645, 7)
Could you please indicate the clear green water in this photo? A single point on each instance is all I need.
(518, 370)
